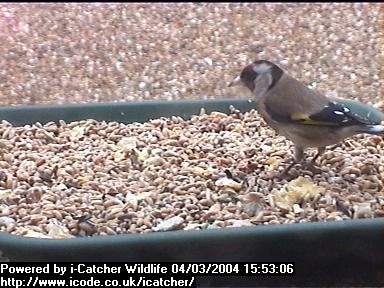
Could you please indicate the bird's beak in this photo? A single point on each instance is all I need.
(235, 82)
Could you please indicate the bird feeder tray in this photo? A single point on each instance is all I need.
(349, 252)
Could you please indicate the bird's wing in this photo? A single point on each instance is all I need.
(293, 102)
(374, 115)
(333, 114)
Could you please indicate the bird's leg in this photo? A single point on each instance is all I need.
(297, 158)
(298, 154)
(311, 165)
(320, 151)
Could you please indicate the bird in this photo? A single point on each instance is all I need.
(304, 116)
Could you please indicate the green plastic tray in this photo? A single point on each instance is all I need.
(334, 253)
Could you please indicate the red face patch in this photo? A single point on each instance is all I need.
(248, 76)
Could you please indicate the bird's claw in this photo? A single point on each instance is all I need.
(312, 167)
(284, 174)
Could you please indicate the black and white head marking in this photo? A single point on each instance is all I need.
(262, 66)
(261, 71)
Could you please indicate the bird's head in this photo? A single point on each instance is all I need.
(259, 77)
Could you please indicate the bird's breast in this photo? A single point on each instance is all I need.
(309, 136)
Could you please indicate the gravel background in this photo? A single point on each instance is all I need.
(73, 53)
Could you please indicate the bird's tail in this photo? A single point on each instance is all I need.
(373, 129)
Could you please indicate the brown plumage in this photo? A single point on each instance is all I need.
(302, 115)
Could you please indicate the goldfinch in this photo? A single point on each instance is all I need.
(302, 115)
